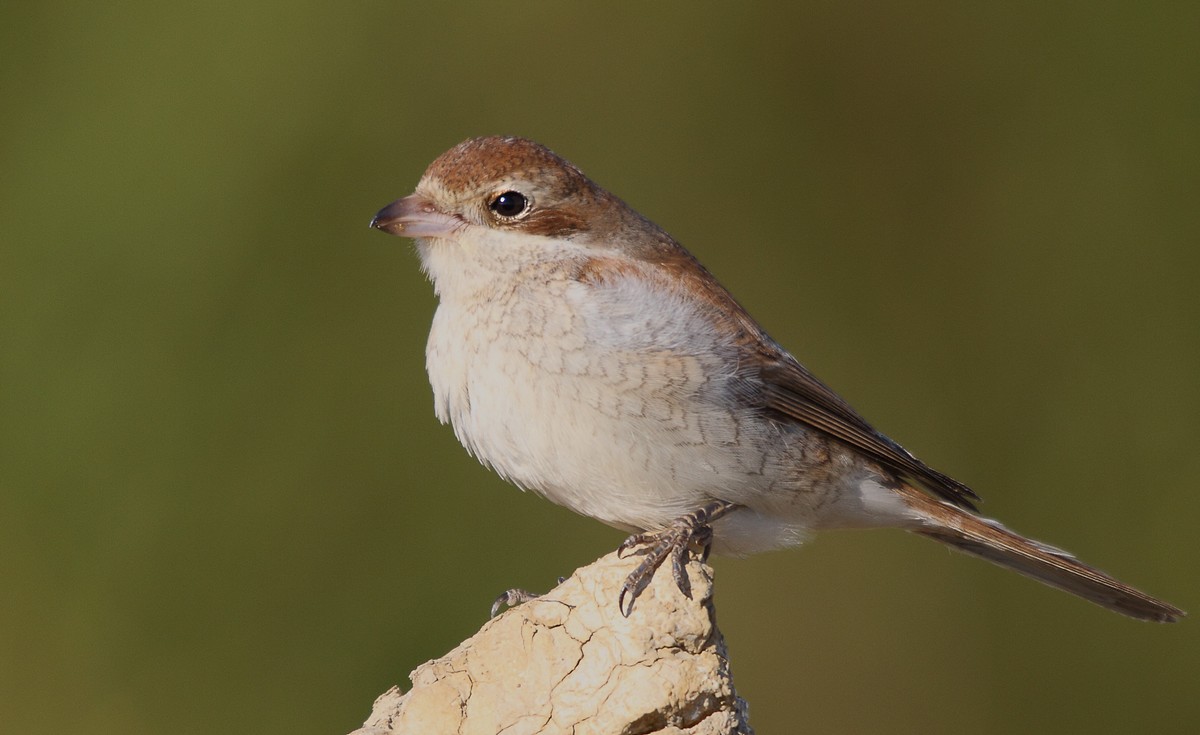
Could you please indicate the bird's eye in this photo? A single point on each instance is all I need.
(509, 204)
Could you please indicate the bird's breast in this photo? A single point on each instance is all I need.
(612, 402)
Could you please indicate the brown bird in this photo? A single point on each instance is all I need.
(583, 354)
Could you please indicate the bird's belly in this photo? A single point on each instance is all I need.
(632, 440)
(628, 459)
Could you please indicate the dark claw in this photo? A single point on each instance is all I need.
(625, 590)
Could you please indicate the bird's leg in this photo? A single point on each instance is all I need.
(674, 541)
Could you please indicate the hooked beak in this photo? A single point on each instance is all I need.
(415, 216)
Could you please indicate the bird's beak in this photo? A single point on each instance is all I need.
(415, 216)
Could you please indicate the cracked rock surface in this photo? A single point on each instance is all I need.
(568, 662)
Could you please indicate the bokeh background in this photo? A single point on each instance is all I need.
(225, 505)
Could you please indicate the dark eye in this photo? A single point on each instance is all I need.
(509, 204)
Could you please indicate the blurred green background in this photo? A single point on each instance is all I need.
(225, 505)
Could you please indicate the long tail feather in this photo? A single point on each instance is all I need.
(989, 540)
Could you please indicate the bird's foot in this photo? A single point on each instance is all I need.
(514, 597)
(683, 534)
(511, 598)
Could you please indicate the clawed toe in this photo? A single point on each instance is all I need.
(634, 541)
(675, 541)
(512, 598)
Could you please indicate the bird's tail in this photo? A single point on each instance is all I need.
(989, 540)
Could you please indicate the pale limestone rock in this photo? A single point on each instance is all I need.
(568, 662)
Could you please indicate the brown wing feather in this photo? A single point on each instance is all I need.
(791, 392)
(794, 392)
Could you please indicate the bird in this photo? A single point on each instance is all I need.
(580, 352)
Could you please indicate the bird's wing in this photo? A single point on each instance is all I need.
(789, 390)
(786, 389)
